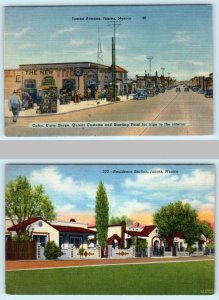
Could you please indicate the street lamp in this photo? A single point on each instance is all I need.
(162, 69)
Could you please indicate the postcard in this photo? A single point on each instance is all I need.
(129, 70)
(110, 229)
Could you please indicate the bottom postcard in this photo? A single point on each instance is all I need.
(110, 229)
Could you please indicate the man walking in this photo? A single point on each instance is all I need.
(15, 105)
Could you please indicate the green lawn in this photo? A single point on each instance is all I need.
(143, 279)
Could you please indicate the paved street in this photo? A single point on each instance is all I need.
(170, 106)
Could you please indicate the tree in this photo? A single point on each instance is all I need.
(24, 201)
(177, 217)
(119, 220)
(206, 229)
(102, 215)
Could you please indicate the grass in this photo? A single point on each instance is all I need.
(185, 278)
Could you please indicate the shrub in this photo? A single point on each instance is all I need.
(81, 251)
(52, 251)
(190, 249)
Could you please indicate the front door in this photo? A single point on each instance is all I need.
(156, 250)
(40, 239)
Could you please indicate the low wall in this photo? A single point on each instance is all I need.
(182, 253)
(121, 253)
(73, 253)
(197, 253)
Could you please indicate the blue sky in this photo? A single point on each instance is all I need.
(72, 188)
(179, 37)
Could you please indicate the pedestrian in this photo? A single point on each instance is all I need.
(127, 95)
(15, 105)
(26, 100)
(103, 94)
(77, 95)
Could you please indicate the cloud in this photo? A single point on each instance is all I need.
(26, 46)
(140, 57)
(63, 31)
(55, 181)
(18, 34)
(196, 180)
(66, 208)
(181, 37)
(119, 47)
(133, 207)
(196, 63)
(210, 198)
(79, 42)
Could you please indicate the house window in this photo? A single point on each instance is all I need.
(18, 78)
(75, 241)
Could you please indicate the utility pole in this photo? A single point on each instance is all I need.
(115, 25)
(149, 57)
(168, 79)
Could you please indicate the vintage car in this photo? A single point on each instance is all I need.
(140, 94)
(209, 93)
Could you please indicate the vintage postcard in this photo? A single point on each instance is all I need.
(110, 229)
(137, 70)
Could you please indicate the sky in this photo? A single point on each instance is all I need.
(179, 37)
(136, 191)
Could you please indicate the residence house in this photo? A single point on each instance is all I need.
(64, 234)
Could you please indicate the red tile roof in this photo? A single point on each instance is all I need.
(24, 224)
(121, 70)
(57, 227)
(179, 235)
(148, 229)
(73, 229)
(145, 231)
(134, 233)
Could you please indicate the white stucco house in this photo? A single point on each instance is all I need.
(64, 234)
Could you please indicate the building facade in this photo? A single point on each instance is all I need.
(85, 77)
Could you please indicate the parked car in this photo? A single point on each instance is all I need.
(209, 93)
(195, 88)
(200, 91)
(140, 94)
(178, 89)
(151, 92)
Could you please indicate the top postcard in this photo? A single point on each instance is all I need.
(143, 70)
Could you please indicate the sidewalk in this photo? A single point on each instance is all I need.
(47, 264)
(61, 109)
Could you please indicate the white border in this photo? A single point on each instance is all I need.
(215, 4)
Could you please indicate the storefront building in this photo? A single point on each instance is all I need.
(86, 77)
(65, 76)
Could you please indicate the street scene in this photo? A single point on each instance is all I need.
(117, 225)
(109, 71)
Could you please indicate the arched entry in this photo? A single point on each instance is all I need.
(156, 247)
(115, 241)
(68, 85)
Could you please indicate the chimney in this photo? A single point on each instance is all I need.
(72, 220)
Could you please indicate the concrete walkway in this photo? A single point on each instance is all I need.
(56, 264)
(61, 109)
